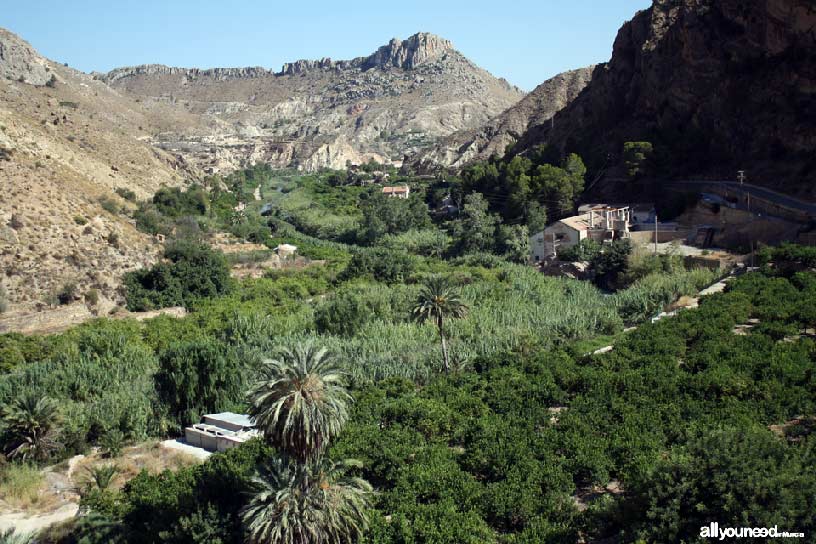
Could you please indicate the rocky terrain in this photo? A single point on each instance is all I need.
(492, 138)
(320, 114)
(67, 142)
(715, 85)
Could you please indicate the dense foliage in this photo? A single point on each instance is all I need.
(705, 416)
(514, 184)
(190, 272)
(684, 422)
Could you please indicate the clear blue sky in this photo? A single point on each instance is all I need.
(525, 41)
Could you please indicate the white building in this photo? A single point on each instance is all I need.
(221, 432)
(598, 222)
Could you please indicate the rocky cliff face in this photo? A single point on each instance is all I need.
(323, 113)
(67, 143)
(19, 62)
(493, 138)
(716, 85)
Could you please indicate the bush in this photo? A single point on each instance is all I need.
(173, 202)
(109, 205)
(199, 377)
(67, 293)
(3, 300)
(380, 264)
(194, 271)
(20, 484)
(585, 250)
(92, 297)
(126, 193)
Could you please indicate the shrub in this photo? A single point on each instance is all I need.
(80, 220)
(380, 264)
(173, 202)
(194, 271)
(3, 300)
(585, 250)
(199, 377)
(67, 293)
(112, 442)
(109, 205)
(126, 193)
(92, 297)
(20, 484)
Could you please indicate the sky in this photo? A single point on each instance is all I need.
(524, 41)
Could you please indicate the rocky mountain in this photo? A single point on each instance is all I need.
(320, 113)
(67, 142)
(492, 138)
(715, 85)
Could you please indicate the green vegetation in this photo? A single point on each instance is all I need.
(517, 187)
(192, 271)
(439, 300)
(708, 415)
(636, 156)
(20, 484)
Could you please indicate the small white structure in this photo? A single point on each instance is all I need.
(285, 250)
(399, 192)
(221, 432)
(601, 223)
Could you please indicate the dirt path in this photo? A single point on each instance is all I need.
(23, 524)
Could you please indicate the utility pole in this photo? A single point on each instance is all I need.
(655, 246)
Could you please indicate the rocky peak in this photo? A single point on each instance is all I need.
(715, 85)
(19, 61)
(301, 66)
(410, 53)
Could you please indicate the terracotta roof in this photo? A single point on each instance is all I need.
(391, 190)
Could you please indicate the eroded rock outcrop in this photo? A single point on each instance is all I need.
(20, 62)
(716, 85)
(322, 113)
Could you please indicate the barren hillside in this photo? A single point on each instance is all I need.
(493, 137)
(67, 142)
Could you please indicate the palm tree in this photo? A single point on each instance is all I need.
(101, 477)
(307, 503)
(31, 426)
(300, 402)
(439, 300)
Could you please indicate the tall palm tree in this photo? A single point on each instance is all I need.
(300, 402)
(31, 427)
(439, 300)
(315, 502)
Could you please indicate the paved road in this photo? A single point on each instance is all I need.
(757, 192)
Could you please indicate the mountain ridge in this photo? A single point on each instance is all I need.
(315, 114)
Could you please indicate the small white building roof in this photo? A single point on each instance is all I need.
(285, 247)
(231, 417)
